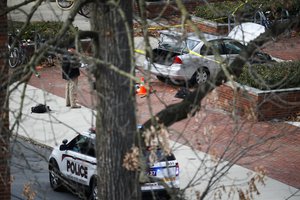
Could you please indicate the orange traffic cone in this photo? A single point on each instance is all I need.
(39, 67)
(142, 89)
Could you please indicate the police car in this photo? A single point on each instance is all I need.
(73, 164)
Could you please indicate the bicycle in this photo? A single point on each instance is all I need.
(267, 18)
(19, 49)
(65, 4)
(68, 4)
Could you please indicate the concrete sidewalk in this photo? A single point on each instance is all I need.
(63, 123)
(48, 128)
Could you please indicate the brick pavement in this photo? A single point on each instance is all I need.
(213, 130)
(287, 48)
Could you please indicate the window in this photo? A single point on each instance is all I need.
(215, 46)
(225, 46)
(191, 44)
(160, 155)
(232, 47)
(83, 144)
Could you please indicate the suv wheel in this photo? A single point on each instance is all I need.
(54, 177)
(93, 190)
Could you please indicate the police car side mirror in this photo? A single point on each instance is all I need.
(64, 145)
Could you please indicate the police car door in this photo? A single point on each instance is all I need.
(76, 164)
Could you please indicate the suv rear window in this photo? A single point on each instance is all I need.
(160, 155)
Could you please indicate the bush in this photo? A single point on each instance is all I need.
(46, 30)
(219, 11)
(275, 76)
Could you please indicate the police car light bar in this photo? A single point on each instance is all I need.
(92, 130)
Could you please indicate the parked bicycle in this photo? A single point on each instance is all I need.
(262, 18)
(68, 4)
(65, 4)
(17, 51)
(21, 49)
(267, 18)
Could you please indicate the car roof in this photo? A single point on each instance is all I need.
(206, 36)
(192, 35)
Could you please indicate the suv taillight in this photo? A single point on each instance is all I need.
(177, 60)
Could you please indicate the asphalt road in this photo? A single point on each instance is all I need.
(29, 169)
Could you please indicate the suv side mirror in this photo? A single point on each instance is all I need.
(64, 145)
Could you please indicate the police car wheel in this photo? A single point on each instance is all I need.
(94, 191)
(55, 181)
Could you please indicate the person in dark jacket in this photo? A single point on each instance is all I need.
(71, 72)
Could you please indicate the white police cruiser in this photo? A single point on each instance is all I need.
(73, 165)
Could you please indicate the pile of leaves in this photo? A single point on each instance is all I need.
(294, 118)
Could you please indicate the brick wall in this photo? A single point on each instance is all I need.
(4, 123)
(280, 104)
(210, 27)
(256, 104)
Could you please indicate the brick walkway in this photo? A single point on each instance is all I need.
(285, 48)
(213, 130)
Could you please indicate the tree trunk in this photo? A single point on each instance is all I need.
(116, 122)
(4, 114)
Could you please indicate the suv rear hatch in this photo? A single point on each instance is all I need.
(164, 171)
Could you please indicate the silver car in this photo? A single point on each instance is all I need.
(188, 59)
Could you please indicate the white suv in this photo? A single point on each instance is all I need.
(74, 164)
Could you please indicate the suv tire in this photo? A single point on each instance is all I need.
(54, 177)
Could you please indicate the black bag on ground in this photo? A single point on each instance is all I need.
(40, 108)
